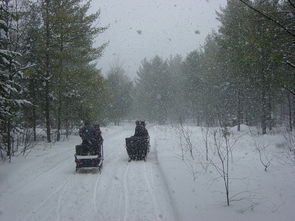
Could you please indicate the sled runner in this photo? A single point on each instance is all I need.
(137, 147)
(89, 157)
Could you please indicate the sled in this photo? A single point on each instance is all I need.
(89, 157)
(137, 147)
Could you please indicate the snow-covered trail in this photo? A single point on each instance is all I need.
(46, 186)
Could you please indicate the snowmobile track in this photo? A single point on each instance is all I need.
(151, 192)
(22, 185)
(56, 191)
(126, 193)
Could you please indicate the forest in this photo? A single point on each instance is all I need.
(243, 74)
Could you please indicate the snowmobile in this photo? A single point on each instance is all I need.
(137, 147)
(89, 156)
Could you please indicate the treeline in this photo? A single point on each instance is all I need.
(244, 73)
(48, 73)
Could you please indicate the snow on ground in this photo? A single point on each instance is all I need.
(45, 186)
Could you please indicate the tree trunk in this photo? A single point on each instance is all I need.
(263, 112)
(59, 110)
(269, 109)
(198, 120)
(47, 62)
(8, 139)
(58, 119)
(34, 117)
(290, 111)
(239, 114)
(67, 128)
(263, 104)
(34, 123)
(47, 113)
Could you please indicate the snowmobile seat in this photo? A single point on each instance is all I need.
(89, 157)
(137, 147)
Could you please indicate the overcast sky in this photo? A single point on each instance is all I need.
(144, 28)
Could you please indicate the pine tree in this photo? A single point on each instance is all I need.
(152, 89)
(10, 76)
(60, 48)
(120, 88)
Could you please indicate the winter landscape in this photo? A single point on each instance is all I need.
(170, 185)
(203, 90)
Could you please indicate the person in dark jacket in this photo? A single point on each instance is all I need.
(98, 135)
(140, 130)
(87, 134)
(91, 137)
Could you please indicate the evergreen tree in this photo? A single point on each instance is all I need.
(152, 90)
(59, 40)
(193, 85)
(72, 49)
(178, 107)
(11, 75)
(120, 89)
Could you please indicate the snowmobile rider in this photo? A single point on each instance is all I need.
(99, 138)
(140, 130)
(88, 134)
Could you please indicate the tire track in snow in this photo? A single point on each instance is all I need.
(24, 183)
(113, 188)
(94, 194)
(126, 194)
(150, 190)
(58, 210)
(137, 187)
(165, 184)
(57, 190)
(107, 185)
(98, 179)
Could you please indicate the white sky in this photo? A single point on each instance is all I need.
(145, 28)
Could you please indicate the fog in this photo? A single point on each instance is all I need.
(141, 29)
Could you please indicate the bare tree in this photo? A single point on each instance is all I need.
(27, 140)
(188, 150)
(205, 135)
(264, 160)
(223, 144)
(261, 148)
(185, 140)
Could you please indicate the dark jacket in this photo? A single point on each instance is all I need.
(141, 131)
(88, 135)
(98, 136)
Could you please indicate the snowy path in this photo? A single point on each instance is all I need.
(46, 187)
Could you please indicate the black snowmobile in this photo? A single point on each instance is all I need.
(138, 145)
(89, 156)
